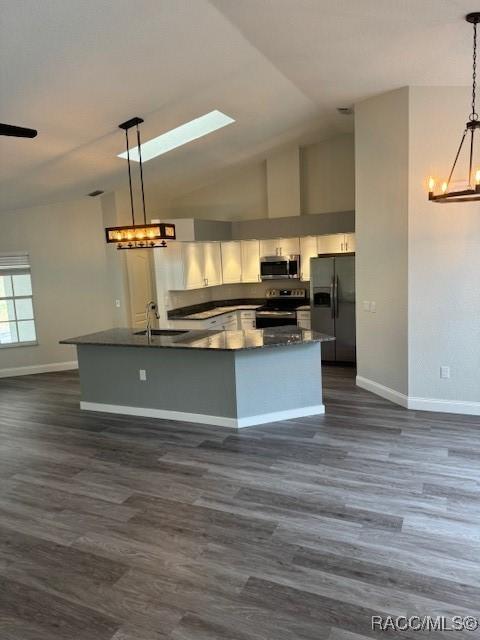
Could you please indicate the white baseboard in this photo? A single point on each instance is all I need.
(277, 416)
(445, 406)
(200, 418)
(38, 368)
(419, 404)
(382, 391)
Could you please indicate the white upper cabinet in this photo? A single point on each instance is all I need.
(330, 243)
(336, 243)
(193, 265)
(280, 247)
(231, 262)
(250, 250)
(350, 242)
(188, 265)
(212, 263)
(308, 249)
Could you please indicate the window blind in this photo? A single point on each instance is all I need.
(13, 261)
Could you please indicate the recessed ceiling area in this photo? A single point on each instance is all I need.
(279, 68)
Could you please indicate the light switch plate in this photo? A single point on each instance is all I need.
(142, 374)
(117, 304)
(444, 372)
(373, 307)
(366, 305)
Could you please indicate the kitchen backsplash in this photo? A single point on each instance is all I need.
(229, 291)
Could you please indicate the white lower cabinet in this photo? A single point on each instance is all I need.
(304, 319)
(246, 320)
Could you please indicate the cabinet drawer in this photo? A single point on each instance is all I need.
(247, 315)
(304, 315)
(214, 322)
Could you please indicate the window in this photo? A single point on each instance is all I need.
(17, 323)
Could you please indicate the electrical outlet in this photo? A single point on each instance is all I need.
(373, 307)
(444, 372)
(366, 305)
(142, 374)
(117, 304)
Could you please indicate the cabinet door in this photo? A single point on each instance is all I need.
(231, 262)
(280, 247)
(269, 247)
(350, 242)
(288, 246)
(250, 250)
(212, 263)
(304, 320)
(193, 265)
(246, 320)
(169, 270)
(308, 249)
(331, 243)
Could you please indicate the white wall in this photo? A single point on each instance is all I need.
(420, 261)
(66, 244)
(283, 183)
(328, 175)
(325, 170)
(242, 194)
(444, 255)
(381, 225)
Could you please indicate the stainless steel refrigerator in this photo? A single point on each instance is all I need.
(332, 300)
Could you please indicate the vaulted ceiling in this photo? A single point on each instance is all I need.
(74, 69)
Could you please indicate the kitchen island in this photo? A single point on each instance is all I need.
(226, 378)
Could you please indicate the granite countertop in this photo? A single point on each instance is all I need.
(216, 308)
(218, 311)
(213, 340)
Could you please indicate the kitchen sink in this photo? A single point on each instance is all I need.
(161, 332)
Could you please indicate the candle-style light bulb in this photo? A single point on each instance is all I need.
(431, 185)
(444, 187)
(477, 177)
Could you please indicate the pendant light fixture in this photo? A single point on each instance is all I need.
(138, 236)
(471, 188)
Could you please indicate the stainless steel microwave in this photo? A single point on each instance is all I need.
(280, 267)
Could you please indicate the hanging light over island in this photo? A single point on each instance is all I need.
(138, 236)
(470, 190)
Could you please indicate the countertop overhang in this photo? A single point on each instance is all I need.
(208, 340)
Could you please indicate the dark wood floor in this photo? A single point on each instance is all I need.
(133, 529)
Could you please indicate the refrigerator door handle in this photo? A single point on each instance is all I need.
(335, 297)
(332, 297)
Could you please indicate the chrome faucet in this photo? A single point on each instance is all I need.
(149, 309)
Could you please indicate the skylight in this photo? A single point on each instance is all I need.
(179, 136)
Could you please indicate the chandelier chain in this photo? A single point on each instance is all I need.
(474, 115)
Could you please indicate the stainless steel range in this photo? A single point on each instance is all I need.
(280, 307)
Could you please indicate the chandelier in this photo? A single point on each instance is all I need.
(138, 236)
(470, 190)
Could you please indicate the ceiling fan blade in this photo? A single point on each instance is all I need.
(19, 132)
